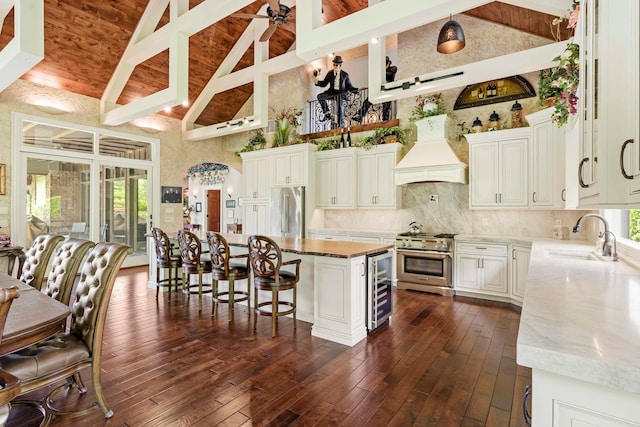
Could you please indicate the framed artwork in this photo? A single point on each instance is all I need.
(494, 91)
(171, 194)
(230, 204)
(3, 179)
(198, 207)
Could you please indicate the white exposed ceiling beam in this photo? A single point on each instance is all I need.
(146, 43)
(223, 79)
(26, 48)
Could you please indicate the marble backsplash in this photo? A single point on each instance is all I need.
(451, 214)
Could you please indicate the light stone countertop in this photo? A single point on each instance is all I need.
(581, 318)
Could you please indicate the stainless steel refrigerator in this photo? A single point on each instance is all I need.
(286, 212)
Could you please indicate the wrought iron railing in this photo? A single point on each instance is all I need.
(348, 109)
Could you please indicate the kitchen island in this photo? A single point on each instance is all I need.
(332, 287)
(580, 335)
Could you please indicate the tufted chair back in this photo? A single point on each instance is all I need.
(64, 267)
(37, 259)
(89, 309)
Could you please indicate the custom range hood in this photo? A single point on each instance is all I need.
(431, 158)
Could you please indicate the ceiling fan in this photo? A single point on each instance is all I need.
(280, 14)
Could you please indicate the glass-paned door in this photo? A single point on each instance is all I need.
(57, 198)
(123, 207)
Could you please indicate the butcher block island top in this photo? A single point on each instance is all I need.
(328, 248)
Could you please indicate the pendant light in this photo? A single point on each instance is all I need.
(451, 38)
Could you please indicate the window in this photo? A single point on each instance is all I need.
(625, 225)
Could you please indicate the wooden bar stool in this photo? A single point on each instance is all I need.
(224, 270)
(266, 263)
(193, 262)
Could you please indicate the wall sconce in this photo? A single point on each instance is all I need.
(477, 125)
(451, 38)
(317, 71)
(195, 193)
(230, 192)
(494, 120)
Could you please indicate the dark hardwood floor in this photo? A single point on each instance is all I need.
(441, 362)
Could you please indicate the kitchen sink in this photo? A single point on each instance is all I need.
(558, 253)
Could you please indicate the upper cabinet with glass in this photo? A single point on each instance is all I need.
(608, 37)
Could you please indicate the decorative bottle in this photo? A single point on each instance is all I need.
(348, 137)
(342, 138)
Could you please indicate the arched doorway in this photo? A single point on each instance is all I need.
(210, 189)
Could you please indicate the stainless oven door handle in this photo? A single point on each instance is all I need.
(425, 254)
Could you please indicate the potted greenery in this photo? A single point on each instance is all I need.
(388, 135)
(427, 106)
(566, 76)
(288, 120)
(257, 141)
(547, 92)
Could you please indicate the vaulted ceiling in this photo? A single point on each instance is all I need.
(85, 40)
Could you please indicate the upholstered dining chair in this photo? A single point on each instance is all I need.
(64, 268)
(37, 259)
(226, 270)
(194, 262)
(266, 262)
(9, 383)
(166, 260)
(66, 354)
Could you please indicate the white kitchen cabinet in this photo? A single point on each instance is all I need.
(336, 178)
(499, 165)
(291, 164)
(255, 176)
(340, 302)
(608, 109)
(519, 269)
(255, 219)
(559, 401)
(546, 161)
(481, 268)
(376, 186)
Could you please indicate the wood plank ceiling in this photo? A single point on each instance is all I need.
(85, 39)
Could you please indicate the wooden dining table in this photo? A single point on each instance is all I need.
(33, 317)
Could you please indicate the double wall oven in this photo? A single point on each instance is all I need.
(425, 262)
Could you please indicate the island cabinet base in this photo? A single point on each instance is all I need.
(339, 296)
(560, 401)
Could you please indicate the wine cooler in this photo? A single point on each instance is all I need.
(378, 289)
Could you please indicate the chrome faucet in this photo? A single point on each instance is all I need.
(606, 246)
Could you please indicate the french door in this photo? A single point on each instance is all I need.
(82, 182)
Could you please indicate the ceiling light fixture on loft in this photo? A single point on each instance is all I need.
(451, 38)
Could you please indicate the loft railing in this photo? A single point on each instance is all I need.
(346, 110)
